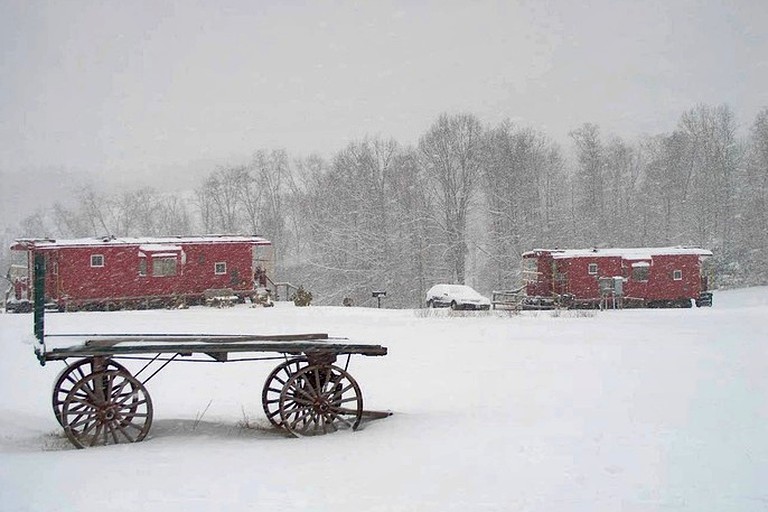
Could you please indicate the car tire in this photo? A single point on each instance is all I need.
(454, 306)
(430, 304)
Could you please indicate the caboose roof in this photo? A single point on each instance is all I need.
(636, 253)
(157, 242)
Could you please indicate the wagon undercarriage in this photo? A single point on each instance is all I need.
(99, 402)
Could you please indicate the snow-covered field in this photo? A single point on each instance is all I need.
(599, 411)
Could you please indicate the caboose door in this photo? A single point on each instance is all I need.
(637, 284)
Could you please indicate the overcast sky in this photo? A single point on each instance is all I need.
(147, 88)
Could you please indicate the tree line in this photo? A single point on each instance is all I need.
(462, 204)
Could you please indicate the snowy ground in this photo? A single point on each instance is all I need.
(626, 410)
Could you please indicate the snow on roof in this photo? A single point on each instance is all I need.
(638, 253)
(155, 243)
(159, 248)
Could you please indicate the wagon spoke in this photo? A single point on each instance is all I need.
(128, 436)
(88, 418)
(301, 414)
(83, 396)
(136, 415)
(294, 411)
(96, 434)
(81, 400)
(133, 404)
(328, 423)
(70, 378)
(301, 400)
(109, 387)
(80, 407)
(121, 428)
(116, 391)
(331, 418)
(90, 392)
(128, 421)
(342, 419)
(113, 432)
(303, 391)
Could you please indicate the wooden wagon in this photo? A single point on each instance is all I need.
(98, 401)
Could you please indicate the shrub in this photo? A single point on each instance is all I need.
(302, 297)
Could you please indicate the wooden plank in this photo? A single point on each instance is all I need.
(297, 347)
(203, 338)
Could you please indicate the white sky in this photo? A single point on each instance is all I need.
(143, 89)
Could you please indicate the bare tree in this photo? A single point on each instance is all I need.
(219, 197)
(590, 183)
(451, 155)
(754, 214)
(622, 183)
(263, 195)
(525, 196)
(715, 156)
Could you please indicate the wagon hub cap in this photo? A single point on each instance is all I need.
(107, 413)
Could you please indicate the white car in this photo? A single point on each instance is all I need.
(456, 296)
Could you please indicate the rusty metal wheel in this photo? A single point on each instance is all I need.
(73, 373)
(320, 399)
(270, 395)
(107, 407)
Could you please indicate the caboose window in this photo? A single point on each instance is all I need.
(220, 268)
(592, 269)
(142, 266)
(97, 260)
(640, 273)
(162, 267)
(677, 275)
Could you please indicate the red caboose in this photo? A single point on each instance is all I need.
(642, 277)
(113, 273)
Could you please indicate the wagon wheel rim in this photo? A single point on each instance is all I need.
(70, 375)
(273, 386)
(320, 399)
(107, 407)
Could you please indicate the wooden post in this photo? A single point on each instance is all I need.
(39, 305)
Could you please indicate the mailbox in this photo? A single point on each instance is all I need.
(378, 294)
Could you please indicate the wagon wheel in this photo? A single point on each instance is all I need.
(70, 375)
(270, 395)
(107, 407)
(319, 399)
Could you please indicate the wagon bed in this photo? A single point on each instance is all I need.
(218, 347)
